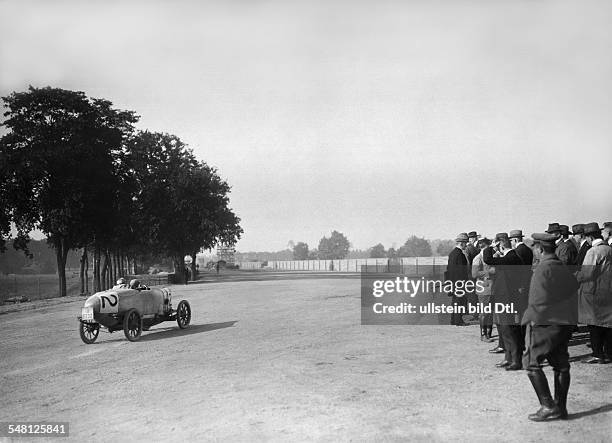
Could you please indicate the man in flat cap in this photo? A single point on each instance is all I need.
(458, 270)
(595, 294)
(550, 319)
(505, 289)
(581, 243)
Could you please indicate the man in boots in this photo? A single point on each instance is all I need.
(550, 319)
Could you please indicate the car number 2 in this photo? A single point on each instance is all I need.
(109, 303)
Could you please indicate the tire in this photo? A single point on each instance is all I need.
(132, 325)
(89, 332)
(183, 314)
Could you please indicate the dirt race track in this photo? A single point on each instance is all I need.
(282, 359)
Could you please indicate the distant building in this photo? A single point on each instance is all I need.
(226, 253)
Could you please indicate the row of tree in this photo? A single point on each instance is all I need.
(337, 247)
(334, 247)
(76, 169)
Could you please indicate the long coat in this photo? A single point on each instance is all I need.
(457, 268)
(567, 253)
(552, 294)
(507, 278)
(582, 252)
(595, 293)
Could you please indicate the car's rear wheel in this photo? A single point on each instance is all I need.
(183, 314)
(132, 325)
(89, 332)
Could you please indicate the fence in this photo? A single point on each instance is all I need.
(403, 265)
(24, 287)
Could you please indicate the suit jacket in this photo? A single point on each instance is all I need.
(472, 251)
(582, 252)
(567, 253)
(457, 268)
(595, 293)
(552, 294)
(526, 255)
(507, 279)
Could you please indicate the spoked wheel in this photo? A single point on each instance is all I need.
(132, 325)
(183, 314)
(89, 332)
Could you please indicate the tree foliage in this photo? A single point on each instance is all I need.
(378, 251)
(74, 168)
(335, 247)
(415, 247)
(300, 251)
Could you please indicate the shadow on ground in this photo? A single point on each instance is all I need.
(599, 410)
(159, 334)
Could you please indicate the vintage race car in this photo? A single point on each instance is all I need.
(130, 310)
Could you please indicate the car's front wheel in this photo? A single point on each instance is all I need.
(89, 332)
(132, 325)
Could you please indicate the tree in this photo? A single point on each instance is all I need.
(378, 251)
(300, 251)
(58, 167)
(335, 247)
(182, 204)
(415, 247)
(313, 254)
(391, 253)
(444, 247)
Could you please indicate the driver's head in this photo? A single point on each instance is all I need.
(121, 281)
(134, 284)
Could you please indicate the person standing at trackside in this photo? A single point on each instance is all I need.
(595, 294)
(606, 233)
(472, 251)
(506, 283)
(457, 270)
(562, 250)
(572, 250)
(550, 319)
(526, 255)
(482, 272)
(581, 243)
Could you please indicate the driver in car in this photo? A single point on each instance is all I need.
(121, 283)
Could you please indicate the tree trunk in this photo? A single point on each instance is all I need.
(61, 254)
(104, 273)
(82, 273)
(86, 274)
(97, 280)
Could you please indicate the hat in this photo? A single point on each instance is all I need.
(607, 225)
(565, 230)
(463, 237)
(484, 240)
(591, 228)
(578, 229)
(472, 234)
(501, 235)
(545, 238)
(516, 233)
(553, 227)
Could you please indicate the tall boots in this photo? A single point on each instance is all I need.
(485, 331)
(549, 410)
(562, 383)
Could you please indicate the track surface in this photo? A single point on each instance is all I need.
(284, 359)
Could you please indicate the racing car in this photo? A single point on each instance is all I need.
(131, 308)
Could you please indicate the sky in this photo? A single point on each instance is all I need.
(379, 119)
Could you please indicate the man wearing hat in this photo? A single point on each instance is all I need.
(505, 289)
(606, 233)
(550, 319)
(526, 255)
(563, 251)
(581, 243)
(458, 270)
(595, 294)
(482, 272)
(471, 251)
